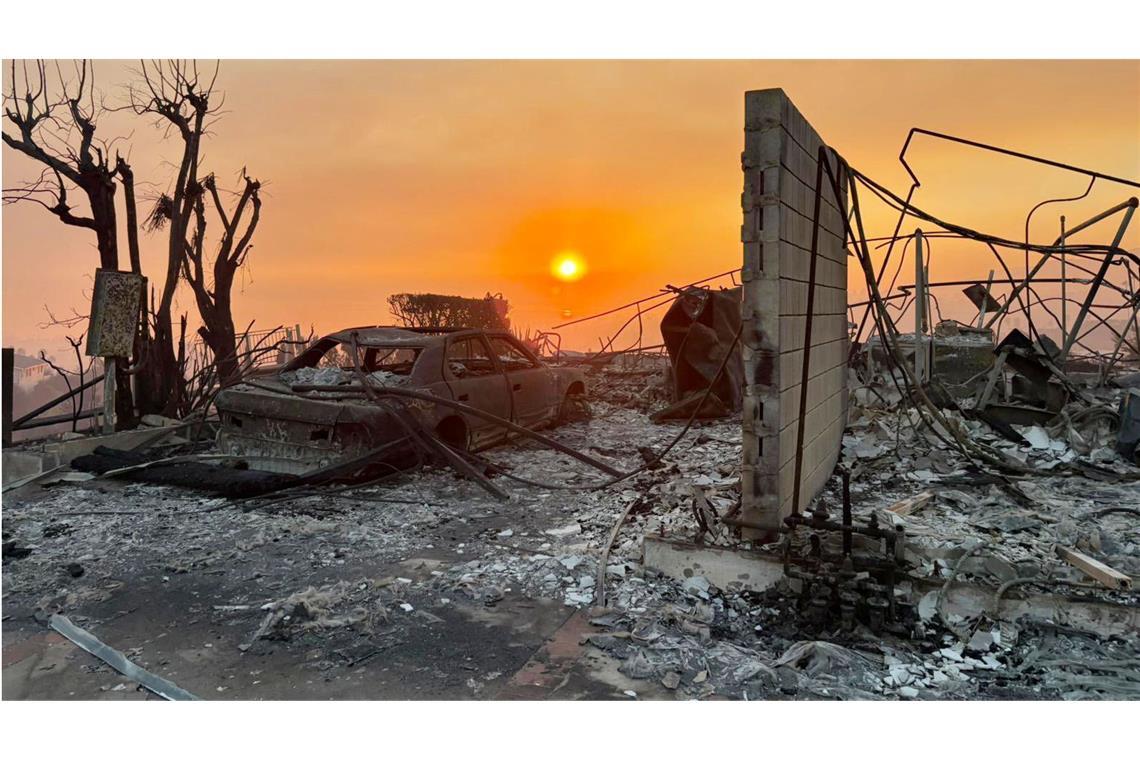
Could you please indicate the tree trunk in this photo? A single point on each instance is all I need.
(100, 191)
(160, 380)
(222, 340)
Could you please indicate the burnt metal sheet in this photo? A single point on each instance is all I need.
(978, 295)
(117, 660)
(697, 329)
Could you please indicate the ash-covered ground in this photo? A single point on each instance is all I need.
(427, 587)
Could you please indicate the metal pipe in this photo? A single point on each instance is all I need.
(642, 300)
(55, 402)
(907, 287)
(1097, 282)
(1004, 151)
(813, 522)
(1028, 219)
(919, 309)
(9, 374)
(1064, 288)
(57, 419)
(1129, 204)
(883, 268)
(1135, 322)
(1123, 332)
(519, 429)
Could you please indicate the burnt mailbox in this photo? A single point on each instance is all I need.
(114, 313)
(111, 330)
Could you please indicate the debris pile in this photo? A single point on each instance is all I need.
(334, 376)
(338, 605)
(635, 380)
(287, 575)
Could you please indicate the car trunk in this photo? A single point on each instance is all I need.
(289, 434)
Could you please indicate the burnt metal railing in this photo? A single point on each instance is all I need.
(35, 418)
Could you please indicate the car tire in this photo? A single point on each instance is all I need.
(574, 408)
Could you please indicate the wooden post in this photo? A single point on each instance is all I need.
(9, 374)
(109, 395)
(911, 504)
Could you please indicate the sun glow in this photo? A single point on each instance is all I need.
(568, 266)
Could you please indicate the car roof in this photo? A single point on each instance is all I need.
(413, 336)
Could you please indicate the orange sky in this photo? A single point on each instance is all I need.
(467, 177)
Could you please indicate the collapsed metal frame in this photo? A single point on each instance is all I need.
(1105, 256)
(829, 581)
(885, 324)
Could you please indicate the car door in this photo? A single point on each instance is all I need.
(475, 378)
(533, 386)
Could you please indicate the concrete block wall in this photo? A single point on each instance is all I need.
(779, 163)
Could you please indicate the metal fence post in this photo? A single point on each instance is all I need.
(919, 309)
(9, 372)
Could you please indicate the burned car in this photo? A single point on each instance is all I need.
(316, 411)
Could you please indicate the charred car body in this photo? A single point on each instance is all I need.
(329, 404)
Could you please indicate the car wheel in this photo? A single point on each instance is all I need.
(574, 408)
(453, 432)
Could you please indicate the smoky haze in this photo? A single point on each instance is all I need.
(470, 177)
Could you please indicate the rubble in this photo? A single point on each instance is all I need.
(977, 539)
(689, 637)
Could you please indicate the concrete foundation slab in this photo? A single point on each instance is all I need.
(725, 568)
(21, 464)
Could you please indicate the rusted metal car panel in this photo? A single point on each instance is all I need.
(315, 411)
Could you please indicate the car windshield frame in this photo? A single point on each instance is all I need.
(373, 353)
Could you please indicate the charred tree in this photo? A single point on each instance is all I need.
(59, 132)
(179, 99)
(215, 302)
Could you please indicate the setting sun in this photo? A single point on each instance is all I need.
(568, 266)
